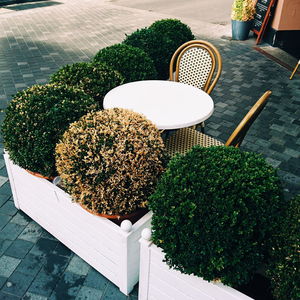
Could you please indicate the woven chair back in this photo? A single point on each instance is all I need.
(197, 63)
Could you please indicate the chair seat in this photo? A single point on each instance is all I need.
(184, 139)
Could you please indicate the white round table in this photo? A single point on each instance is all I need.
(168, 104)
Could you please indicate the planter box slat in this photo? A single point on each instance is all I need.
(210, 288)
(101, 243)
(161, 284)
(91, 246)
(66, 214)
(156, 293)
(169, 282)
(157, 279)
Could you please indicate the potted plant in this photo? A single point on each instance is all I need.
(160, 40)
(242, 15)
(133, 63)
(109, 161)
(214, 211)
(35, 120)
(283, 269)
(95, 79)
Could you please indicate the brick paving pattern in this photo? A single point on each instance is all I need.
(38, 38)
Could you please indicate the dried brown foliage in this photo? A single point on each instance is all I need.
(110, 160)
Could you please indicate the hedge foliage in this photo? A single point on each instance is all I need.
(214, 212)
(160, 41)
(35, 120)
(285, 255)
(133, 63)
(95, 79)
(110, 161)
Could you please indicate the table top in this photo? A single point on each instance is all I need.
(168, 104)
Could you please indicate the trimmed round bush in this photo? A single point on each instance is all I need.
(160, 41)
(285, 255)
(35, 120)
(133, 63)
(214, 211)
(110, 161)
(95, 79)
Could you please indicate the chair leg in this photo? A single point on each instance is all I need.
(202, 127)
(196, 127)
(295, 69)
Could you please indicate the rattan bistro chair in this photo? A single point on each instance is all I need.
(184, 139)
(197, 63)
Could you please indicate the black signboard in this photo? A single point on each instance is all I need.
(261, 18)
(261, 11)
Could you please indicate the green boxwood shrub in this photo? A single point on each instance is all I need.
(133, 63)
(214, 211)
(95, 79)
(110, 161)
(35, 120)
(285, 255)
(160, 41)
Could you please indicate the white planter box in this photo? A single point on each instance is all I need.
(158, 281)
(111, 250)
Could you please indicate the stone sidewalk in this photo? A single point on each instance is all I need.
(38, 38)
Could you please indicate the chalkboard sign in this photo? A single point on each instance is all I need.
(262, 16)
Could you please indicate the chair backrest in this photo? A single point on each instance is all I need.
(239, 133)
(197, 63)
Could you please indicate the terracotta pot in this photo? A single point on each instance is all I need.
(118, 219)
(40, 175)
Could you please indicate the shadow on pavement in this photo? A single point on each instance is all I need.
(32, 5)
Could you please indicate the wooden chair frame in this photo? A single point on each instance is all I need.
(185, 138)
(238, 135)
(216, 67)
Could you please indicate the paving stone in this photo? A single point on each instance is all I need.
(2, 163)
(11, 231)
(78, 266)
(17, 284)
(8, 208)
(31, 233)
(96, 280)
(8, 265)
(4, 244)
(4, 219)
(45, 234)
(30, 265)
(43, 247)
(5, 189)
(3, 180)
(21, 219)
(112, 293)
(291, 152)
(43, 284)
(68, 286)
(3, 199)
(3, 171)
(87, 293)
(55, 264)
(4, 296)
(62, 250)
(32, 296)
(273, 162)
(2, 281)
(19, 248)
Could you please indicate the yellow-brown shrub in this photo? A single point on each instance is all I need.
(111, 160)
